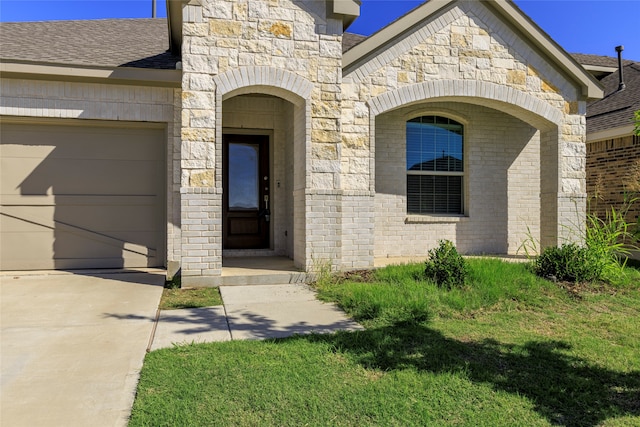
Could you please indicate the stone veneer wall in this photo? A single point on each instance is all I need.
(239, 46)
(613, 170)
(502, 184)
(469, 54)
(291, 49)
(37, 99)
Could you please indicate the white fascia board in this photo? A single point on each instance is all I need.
(123, 75)
(346, 7)
(612, 133)
(346, 10)
(600, 68)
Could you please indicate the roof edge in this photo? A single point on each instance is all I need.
(174, 24)
(117, 75)
(610, 133)
(347, 10)
(591, 88)
(599, 68)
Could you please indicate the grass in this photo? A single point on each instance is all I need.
(509, 349)
(176, 298)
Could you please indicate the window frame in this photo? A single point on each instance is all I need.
(415, 216)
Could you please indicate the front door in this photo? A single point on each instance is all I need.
(246, 200)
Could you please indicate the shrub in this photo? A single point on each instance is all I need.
(610, 242)
(445, 266)
(570, 263)
(608, 235)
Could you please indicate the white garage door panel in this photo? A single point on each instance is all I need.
(81, 197)
(74, 250)
(68, 176)
(104, 216)
(106, 142)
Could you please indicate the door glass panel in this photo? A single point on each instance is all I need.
(243, 176)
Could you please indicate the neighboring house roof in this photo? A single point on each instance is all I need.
(615, 110)
(599, 66)
(506, 9)
(599, 60)
(137, 43)
(440, 164)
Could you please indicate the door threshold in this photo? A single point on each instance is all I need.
(239, 253)
(260, 271)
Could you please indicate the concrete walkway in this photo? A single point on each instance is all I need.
(252, 312)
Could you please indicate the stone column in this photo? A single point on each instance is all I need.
(563, 181)
(572, 202)
(201, 193)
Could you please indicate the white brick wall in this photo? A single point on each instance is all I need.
(91, 101)
(357, 230)
(502, 184)
(201, 234)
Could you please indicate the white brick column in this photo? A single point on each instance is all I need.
(201, 234)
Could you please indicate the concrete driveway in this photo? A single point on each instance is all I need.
(72, 346)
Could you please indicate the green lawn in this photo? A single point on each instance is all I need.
(176, 298)
(509, 349)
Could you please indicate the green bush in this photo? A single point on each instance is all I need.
(445, 266)
(569, 263)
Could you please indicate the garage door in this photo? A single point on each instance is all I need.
(75, 197)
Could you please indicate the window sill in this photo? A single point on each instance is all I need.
(435, 219)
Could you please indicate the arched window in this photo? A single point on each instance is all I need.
(435, 166)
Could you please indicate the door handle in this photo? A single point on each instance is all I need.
(265, 213)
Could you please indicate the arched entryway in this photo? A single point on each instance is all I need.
(261, 163)
(508, 170)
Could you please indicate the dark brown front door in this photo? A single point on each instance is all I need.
(246, 199)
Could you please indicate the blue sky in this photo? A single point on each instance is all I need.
(580, 26)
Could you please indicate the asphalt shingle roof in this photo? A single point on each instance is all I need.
(349, 40)
(598, 60)
(139, 43)
(617, 107)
